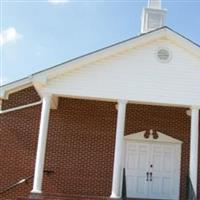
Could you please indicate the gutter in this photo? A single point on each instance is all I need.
(20, 107)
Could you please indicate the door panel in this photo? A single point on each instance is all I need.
(162, 171)
(137, 160)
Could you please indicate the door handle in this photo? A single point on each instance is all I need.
(151, 176)
(147, 176)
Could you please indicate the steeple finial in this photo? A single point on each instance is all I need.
(153, 16)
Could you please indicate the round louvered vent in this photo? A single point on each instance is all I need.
(163, 55)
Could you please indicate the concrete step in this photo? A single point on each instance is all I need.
(54, 196)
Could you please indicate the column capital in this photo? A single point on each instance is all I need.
(47, 95)
(195, 107)
(122, 101)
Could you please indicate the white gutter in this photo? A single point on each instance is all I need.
(20, 107)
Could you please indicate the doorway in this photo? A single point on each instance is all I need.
(152, 166)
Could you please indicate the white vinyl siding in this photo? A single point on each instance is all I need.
(136, 75)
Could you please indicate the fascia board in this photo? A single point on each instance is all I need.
(184, 43)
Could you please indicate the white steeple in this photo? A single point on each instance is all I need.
(153, 16)
(156, 4)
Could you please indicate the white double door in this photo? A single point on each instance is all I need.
(152, 170)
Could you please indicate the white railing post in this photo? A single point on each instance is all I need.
(117, 167)
(41, 148)
(194, 138)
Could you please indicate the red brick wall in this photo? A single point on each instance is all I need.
(23, 97)
(80, 147)
(18, 140)
(80, 142)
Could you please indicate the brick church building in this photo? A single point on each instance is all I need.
(69, 132)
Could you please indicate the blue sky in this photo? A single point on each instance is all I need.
(36, 35)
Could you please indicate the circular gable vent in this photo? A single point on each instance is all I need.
(163, 55)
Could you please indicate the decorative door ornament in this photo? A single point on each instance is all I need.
(151, 133)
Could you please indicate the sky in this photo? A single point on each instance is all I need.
(35, 35)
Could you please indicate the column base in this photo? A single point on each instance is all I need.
(114, 196)
(35, 195)
(36, 191)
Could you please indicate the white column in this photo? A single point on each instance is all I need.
(41, 148)
(194, 138)
(117, 168)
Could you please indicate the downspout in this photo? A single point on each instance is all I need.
(20, 107)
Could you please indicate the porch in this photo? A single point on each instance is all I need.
(81, 141)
